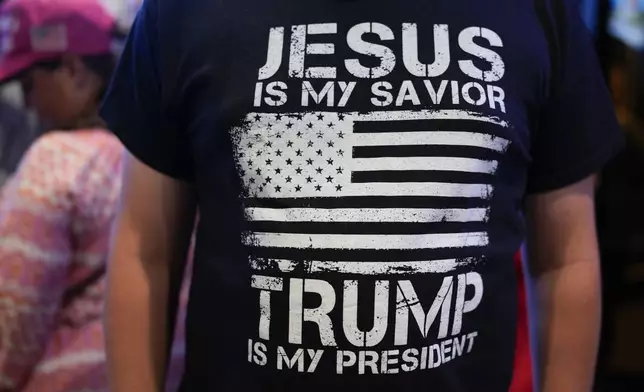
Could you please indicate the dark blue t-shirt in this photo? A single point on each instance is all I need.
(361, 168)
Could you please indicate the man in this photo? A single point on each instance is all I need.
(360, 170)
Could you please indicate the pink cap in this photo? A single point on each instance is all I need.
(37, 30)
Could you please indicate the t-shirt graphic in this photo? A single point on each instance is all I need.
(361, 169)
(341, 202)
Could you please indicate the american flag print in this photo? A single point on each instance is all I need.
(49, 38)
(367, 193)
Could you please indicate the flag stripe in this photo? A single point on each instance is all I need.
(425, 163)
(367, 215)
(362, 268)
(376, 228)
(423, 151)
(363, 255)
(481, 191)
(402, 117)
(471, 139)
(369, 241)
(368, 202)
(389, 176)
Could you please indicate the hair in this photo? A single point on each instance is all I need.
(103, 66)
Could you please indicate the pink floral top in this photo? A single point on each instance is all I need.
(55, 217)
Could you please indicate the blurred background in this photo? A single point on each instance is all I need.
(618, 27)
(18, 126)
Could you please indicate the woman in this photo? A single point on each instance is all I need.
(55, 212)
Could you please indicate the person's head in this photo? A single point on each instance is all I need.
(61, 51)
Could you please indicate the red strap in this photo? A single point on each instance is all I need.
(522, 377)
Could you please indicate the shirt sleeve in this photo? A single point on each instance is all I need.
(134, 107)
(35, 254)
(578, 131)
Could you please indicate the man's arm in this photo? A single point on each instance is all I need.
(151, 234)
(564, 267)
